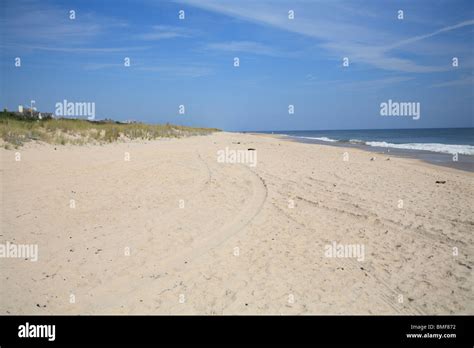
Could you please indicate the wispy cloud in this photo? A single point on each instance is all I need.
(178, 71)
(43, 23)
(360, 84)
(42, 26)
(464, 81)
(84, 49)
(161, 32)
(361, 42)
(99, 66)
(246, 46)
(165, 70)
(377, 83)
(434, 33)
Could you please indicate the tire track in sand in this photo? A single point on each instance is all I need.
(175, 263)
(242, 219)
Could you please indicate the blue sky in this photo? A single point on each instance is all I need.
(282, 61)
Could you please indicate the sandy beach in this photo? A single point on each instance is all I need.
(164, 227)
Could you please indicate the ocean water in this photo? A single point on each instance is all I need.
(442, 140)
(436, 145)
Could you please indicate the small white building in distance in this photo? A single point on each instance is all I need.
(20, 109)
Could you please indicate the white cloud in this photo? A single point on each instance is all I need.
(178, 71)
(86, 49)
(40, 23)
(245, 46)
(357, 85)
(464, 81)
(161, 32)
(434, 33)
(334, 32)
(33, 25)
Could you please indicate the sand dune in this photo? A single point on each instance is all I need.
(174, 231)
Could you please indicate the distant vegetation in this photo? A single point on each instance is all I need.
(16, 130)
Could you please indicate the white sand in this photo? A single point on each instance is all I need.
(188, 253)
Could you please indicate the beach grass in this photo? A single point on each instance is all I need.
(16, 131)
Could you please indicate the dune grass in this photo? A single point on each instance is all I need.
(15, 132)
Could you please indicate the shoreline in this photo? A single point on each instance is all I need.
(464, 163)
